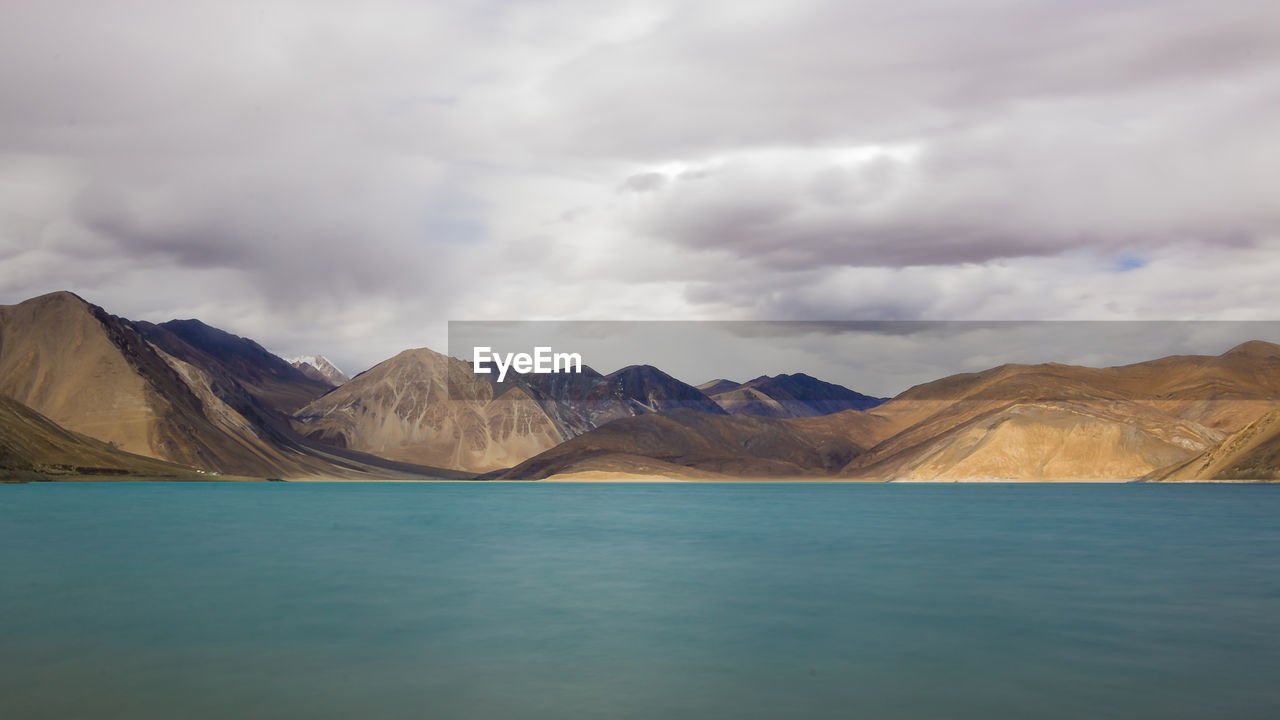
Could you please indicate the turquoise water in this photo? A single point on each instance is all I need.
(657, 601)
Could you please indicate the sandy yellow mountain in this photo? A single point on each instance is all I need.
(87, 371)
(33, 447)
(424, 407)
(1056, 421)
(1251, 453)
(1223, 392)
(1055, 441)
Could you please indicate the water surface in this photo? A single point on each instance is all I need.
(639, 601)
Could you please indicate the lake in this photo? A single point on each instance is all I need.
(284, 600)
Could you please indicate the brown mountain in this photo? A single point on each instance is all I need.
(198, 397)
(91, 373)
(692, 444)
(100, 375)
(1019, 422)
(33, 447)
(1041, 441)
(1251, 453)
(1057, 421)
(423, 407)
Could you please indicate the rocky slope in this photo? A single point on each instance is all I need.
(91, 373)
(423, 407)
(1251, 453)
(687, 443)
(267, 378)
(33, 447)
(1063, 422)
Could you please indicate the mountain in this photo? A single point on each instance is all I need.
(210, 404)
(318, 367)
(646, 389)
(1013, 422)
(783, 396)
(423, 407)
(91, 373)
(1056, 421)
(1044, 441)
(714, 387)
(86, 389)
(692, 444)
(33, 447)
(269, 379)
(1251, 453)
(579, 402)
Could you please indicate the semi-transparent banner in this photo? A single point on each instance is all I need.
(879, 359)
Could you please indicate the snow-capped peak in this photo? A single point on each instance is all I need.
(317, 367)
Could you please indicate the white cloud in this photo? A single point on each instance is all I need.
(334, 180)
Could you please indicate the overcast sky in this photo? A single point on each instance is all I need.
(344, 178)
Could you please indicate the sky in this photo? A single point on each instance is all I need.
(345, 179)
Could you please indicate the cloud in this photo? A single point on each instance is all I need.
(643, 182)
(344, 181)
(1039, 187)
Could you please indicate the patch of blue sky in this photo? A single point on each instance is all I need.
(1124, 262)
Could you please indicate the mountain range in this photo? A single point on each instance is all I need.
(84, 393)
(180, 392)
(424, 407)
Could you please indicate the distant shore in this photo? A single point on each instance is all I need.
(622, 478)
(628, 478)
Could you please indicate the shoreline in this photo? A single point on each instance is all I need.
(619, 478)
(622, 479)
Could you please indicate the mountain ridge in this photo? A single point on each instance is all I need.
(197, 396)
(786, 396)
(1020, 422)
